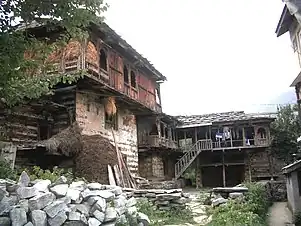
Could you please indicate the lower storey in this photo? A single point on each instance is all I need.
(213, 168)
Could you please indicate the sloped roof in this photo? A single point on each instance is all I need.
(232, 116)
(291, 167)
(116, 39)
(291, 9)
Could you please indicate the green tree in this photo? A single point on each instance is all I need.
(285, 130)
(17, 82)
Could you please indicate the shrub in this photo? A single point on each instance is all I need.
(160, 217)
(6, 171)
(251, 211)
(37, 173)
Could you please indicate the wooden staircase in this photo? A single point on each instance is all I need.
(190, 155)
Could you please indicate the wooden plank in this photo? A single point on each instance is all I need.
(118, 158)
(117, 175)
(111, 176)
(224, 170)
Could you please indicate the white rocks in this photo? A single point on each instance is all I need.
(93, 222)
(78, 185)
(54, 208)
(131, 202)
(24, 179)
(58, 220)
(218, 201)
(235, 195)
(74, 195)
(39, 218)
(27, 192)
(42, 185)
(143, 218)
(95, 186)
(111, 214)
(23, 203)
(40, 201)
(74, 216)
(100, 216)
(60, 190)
(18, 217)
(102, 193)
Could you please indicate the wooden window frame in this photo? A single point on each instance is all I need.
(111, 122)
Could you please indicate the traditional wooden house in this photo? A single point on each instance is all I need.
(226, 148)
(290, 21)
(117, 80)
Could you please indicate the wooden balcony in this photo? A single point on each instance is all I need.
(155, 141)
(79, 58)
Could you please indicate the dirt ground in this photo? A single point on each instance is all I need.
(279, 215)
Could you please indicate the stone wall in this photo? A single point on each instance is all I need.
(90, 115)
(41, 203)
(162, 199)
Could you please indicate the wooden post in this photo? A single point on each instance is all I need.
(224, 169)
(197, 173)
(249, 167)
(184, 137)
(243, 136)
(231, 141)
(195, 134)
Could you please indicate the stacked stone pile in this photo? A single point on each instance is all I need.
(219, 196)
(163, 199)
(42, 203)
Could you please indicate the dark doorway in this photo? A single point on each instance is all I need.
(212, 176)
(234, 175)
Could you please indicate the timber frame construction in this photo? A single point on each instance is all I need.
(155, 145)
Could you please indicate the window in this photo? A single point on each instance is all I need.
(133, 79)
(111, 121)
(103, 60)
(262, 133)
(125, 75)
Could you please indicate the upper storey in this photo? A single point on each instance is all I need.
(112, 62)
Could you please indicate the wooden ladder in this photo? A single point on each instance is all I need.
(187, 159)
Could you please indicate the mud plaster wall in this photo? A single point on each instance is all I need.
(93, 122)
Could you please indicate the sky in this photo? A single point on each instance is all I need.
(217, 55)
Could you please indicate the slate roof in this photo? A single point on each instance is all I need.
(232, 116)
(291, 167)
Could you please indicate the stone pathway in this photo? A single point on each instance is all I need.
(197, 208)
(279, 215)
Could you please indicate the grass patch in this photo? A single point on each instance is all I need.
(161, 217)
(252, 211)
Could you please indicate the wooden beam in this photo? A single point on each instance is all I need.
(64, 89)
(224, 169)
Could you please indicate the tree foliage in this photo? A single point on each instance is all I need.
(17, 81)
(285, 130)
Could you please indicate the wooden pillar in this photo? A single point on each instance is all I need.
(196, 134)
(184, 137)
(198, 174)
(249, 179)
(224, 168)
(243, 136)
(231, 141)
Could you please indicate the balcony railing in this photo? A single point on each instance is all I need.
(77, 59)
(156, 141)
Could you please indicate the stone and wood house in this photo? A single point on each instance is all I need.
(290, 22)
(154, 145)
